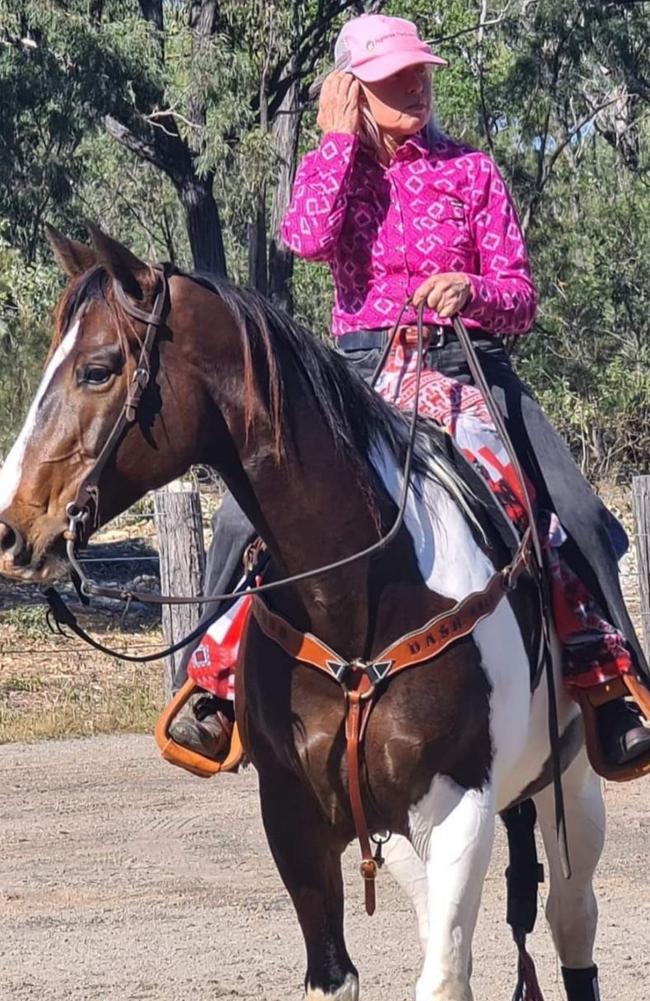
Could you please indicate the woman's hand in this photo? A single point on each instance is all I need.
(447, 293)
(338, 106)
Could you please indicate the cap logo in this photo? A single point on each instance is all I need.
(370, 46)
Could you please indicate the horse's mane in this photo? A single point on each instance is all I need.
(359, 421)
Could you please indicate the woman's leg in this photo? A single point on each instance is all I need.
(560, 487)
(206, 727)
(232, 532)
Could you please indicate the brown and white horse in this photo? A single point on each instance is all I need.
(314, 458)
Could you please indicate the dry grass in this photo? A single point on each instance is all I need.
(51, 687)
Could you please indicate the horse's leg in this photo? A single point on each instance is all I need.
(571, 907)
(408, 869)
(309, 860)
(452, 829)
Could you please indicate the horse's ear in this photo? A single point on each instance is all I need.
(133, 274)
(72, 257)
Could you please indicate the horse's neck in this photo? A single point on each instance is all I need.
(311, 509)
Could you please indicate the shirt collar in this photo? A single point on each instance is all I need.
(414, 148)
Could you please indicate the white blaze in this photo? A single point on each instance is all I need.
(12, 470)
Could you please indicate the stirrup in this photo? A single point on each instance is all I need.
(590, 700)
(192, 761)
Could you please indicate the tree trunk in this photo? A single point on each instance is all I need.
(203, 224)
(286, 132)
(180, 544)
(257, 259)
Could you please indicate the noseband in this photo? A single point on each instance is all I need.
(83, 511)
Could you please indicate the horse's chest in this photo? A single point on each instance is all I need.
(432, 719)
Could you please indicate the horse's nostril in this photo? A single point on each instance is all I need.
(11, 542)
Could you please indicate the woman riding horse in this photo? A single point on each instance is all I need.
(397, 208)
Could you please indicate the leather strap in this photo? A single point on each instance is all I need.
(409, 650)
(359, 705)
(359, 679)
(86, 502)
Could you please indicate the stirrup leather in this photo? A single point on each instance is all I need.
(590, 700)
(192, 761)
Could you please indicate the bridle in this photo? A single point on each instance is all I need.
(359, 679)
(83, 512)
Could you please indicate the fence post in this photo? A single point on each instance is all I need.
(641, 508)
(177, 512)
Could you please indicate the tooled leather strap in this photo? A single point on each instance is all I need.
(457, 622)
(359, 679)
(411, 649)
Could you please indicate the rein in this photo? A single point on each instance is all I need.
(359, 679)
(87, 499)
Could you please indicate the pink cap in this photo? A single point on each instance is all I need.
(373, 47)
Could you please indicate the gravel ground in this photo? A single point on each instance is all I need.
(124, 879)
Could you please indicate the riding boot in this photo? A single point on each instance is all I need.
(622, 734)
(206, 726)
(581, 985)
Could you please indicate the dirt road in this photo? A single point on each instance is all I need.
(123, 879)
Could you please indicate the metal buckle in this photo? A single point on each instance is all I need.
(141, 377)
(440, 334)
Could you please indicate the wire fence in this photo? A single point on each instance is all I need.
(126, 552)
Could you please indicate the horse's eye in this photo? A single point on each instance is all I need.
(95, 375)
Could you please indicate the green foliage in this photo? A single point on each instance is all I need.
(590, 359)
(556, 90)
(25, 289)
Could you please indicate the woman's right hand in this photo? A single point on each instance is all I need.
(338, 106)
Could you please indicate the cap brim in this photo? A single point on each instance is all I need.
(381, 67)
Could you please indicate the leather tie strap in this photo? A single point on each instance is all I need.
(358, 710)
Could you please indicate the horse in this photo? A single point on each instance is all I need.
(315, 459)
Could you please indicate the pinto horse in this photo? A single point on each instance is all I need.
(315, 459)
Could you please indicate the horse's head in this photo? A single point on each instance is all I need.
(95, 351)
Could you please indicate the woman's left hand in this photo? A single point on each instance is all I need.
(446, 293)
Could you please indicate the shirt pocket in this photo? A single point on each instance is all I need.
(446, 210)
(449, 221)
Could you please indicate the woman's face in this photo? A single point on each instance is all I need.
(401, 104)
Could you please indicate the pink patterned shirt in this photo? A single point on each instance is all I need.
(384, 229)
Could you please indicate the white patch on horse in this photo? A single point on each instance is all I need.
(12, 469)
(452, 829)
(452, 564)
(348, 991)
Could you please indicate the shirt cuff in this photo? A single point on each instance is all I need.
(339, 143)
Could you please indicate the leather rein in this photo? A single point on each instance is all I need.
(361, 680)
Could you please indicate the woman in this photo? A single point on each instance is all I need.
(396, 209)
